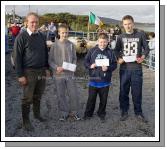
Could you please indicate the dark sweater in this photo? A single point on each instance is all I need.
(128, 44)
(30, 52)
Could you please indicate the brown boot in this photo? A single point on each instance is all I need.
(36, 110)
(25, 115)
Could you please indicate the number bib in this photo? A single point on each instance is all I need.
(130, 49)
(130, 46)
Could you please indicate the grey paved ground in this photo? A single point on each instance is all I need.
(113, 127)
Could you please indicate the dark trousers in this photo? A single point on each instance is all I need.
(33, 91)
(103, 94)
(32, 94)
(133, 79)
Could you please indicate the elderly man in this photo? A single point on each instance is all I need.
(31, 61)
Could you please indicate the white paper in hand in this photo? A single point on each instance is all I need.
(102, 62)
(69, 66)
(129, 58)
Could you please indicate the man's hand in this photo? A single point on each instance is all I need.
(23, 81)
(120, 61)
(59, 69)
(93, 66)
(104, 68)
(140, 59)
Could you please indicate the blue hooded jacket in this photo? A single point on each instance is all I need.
(96, 74)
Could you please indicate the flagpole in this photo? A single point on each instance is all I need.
(88, 28)
(88, 31)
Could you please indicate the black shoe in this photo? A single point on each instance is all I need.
(141, 118)
(40, 119)
(124, 116)
(86, 118)
(102, 119)
(76, 117)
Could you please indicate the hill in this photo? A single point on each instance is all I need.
(143, 26)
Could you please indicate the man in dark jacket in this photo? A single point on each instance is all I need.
(31, 62)
(131, 49)
(100, 76)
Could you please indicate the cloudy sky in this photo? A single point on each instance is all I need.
(141, 13)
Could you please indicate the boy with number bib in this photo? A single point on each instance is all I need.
(131, 49)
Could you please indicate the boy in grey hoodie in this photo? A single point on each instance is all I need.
(64, 51)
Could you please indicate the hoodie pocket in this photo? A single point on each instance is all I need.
(93, 73)
(105, 75)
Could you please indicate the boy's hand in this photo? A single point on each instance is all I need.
(60, 69)
(140, 59)
(23, 81)
(93, 66)
(120, 61)
(104, 68)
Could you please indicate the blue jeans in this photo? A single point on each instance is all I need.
(133, 79)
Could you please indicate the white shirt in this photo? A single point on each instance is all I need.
(30, 32)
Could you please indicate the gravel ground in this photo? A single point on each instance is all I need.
(113, 127)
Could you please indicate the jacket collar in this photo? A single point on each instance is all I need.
(30, 32)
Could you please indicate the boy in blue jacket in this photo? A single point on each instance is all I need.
(100, 76)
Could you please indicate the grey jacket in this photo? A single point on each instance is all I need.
(59, 52)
